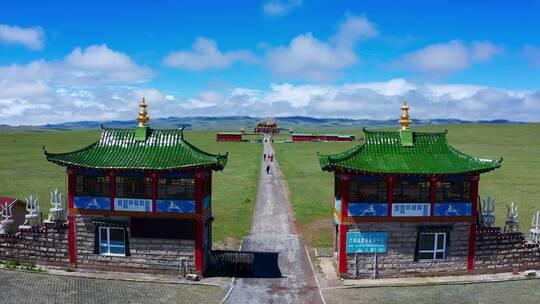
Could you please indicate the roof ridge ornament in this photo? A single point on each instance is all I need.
(405, 121)
(143, 114)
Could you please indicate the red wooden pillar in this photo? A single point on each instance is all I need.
(199, 222)
(71, 188)
(112, 184)
(344, 197)
(474, 214)
(154, 191)
(390, 193)
(72, 241)
(433, 193)
(342, 249)
(474, 195)
(343, 226)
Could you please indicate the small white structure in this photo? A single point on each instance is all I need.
(487, 212)
(7, 225)
(512, 223)
(57, 213)
(535, 229)
(32, 217)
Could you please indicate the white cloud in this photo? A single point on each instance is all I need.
(370, 100)
(280, 7)
(533, 53)
(30, 37)
(307, 57)
(446, 58)
(94, 65)
(74, 88)
(204, 55)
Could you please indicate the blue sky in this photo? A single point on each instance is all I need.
(68, 61)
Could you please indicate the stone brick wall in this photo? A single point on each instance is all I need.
(497, 251)
(146, 255)
(401, 247)
(47, 245)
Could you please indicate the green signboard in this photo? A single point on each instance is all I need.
(366, 242)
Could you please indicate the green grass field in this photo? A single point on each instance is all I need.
(517, 180)
(24, 171)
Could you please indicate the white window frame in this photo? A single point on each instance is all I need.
(108, 243)
(435, 249)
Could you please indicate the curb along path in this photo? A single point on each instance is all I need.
(272, 231)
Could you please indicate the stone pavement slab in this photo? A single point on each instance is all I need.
(416, 281)
(19, 287)
(510, 292)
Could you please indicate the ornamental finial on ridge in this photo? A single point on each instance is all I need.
(143, 114)
(405, 122)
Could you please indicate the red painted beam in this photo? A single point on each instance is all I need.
(433, 193)
(154, 191)
(344, 195)
(390, 193)
(342, 265)
(71, 187)
(472, 247)
(472, 234)
(112, 184)
(199, 191)
(72, 241)
(199, 231)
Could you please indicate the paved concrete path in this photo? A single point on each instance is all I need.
(272, 231)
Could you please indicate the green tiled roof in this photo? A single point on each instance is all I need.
(119, 149)
(382, 152)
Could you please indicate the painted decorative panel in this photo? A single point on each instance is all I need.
(366, 242)
(207, 202)
(95, 203)
(453, 209)
(368, 209)
(411, 209)
(177, 206)
(133, 204)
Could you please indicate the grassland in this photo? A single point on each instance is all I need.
(24, 171)
(517, 180)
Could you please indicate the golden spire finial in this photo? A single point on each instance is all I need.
(143, 114)
(405, 122)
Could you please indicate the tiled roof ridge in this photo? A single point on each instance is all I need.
(122, 142)
(382, 152)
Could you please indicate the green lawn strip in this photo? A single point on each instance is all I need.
(234, 189)
(24, 171)
(517, 179)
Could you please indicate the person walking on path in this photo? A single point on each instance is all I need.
(264, 156)
(268, 169)
(271, 157)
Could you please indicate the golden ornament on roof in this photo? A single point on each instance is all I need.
(143, 114)
(405, 122)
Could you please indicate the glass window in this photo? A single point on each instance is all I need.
(112, 241)
(367, 191)
(176, 188)
(411, 191)
(453, 191)
(92, 186)
(134, 186)
(432, 246)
